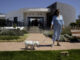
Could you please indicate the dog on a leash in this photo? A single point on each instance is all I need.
(31, 44)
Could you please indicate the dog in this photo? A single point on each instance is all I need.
(31, 44)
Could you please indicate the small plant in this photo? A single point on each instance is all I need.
(14, 25)
(9, 37)
(66, 30)
(62, 38)
(48, 33)
(24, 30)
(13, 34)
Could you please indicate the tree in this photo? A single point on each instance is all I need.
(79, 17)
(78, 22)
(73, 25)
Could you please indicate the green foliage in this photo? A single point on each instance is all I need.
(11, 34)
(9, 37)
(78, 23)
(75, 39)
(66, 35)
(62, 38)
(14, 25)
(72, 38)
(48, 33)
(24, 30)
(79, 17)
(66, 30)
(73, 25)
(39, 55)
(7, 32)
(14, 32)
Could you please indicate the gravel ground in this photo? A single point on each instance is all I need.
(45, 44)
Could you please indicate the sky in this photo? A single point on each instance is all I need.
(12, 5)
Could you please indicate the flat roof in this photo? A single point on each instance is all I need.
(36, 9)
(2, 15)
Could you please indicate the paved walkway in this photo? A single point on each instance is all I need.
(45, 43)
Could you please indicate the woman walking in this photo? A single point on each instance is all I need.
(57, 24)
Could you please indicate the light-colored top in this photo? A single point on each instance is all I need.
(57, 20)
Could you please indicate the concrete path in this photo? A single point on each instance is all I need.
(45, 44)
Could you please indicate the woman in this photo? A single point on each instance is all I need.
(57, 24)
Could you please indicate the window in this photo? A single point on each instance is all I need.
(15, 19)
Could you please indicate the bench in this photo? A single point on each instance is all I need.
(76, 33)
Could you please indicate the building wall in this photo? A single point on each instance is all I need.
(68, 12)
(34, 14)
(2, 16)
(13, 14)
(24, 13)
(52, 8)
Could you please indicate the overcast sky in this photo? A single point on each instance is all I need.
(11, 5)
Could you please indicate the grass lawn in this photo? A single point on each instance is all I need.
(39, 55)
(21, 38)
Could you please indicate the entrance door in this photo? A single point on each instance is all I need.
(36, 21)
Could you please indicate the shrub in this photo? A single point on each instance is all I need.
(62, 38)
(9, 37)
(65, 36)
(11, 34)
(18, 32)
(14, 25)
(24, 30)
(74, 39)
(68, 36)
(7, 32)
(14, 32)
(66, 30)
(48, 33)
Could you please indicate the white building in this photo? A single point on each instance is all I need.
(24, 15)
(2, 16)
(35, 16)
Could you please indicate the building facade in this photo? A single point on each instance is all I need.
(68, 12)
(41, 16)
(2, 16)
(2, 19)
